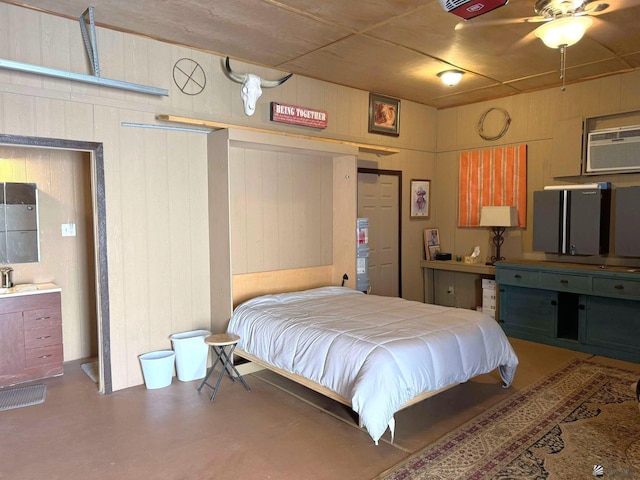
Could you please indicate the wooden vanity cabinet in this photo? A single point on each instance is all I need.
(30, 337)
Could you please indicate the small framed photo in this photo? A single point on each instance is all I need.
(384, 115)
(420, 198)
(433, 251)
(431, 237)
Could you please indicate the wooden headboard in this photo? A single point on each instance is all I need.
(250, 285)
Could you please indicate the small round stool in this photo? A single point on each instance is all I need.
(219, 342)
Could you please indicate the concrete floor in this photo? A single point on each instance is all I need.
(279, 430)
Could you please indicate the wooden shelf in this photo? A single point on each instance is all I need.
(454, 266)
(362, 147)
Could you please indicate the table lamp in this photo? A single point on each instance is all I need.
(498, 218)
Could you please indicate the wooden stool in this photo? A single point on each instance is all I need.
(218, 343)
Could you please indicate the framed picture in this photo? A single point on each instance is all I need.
(420, 198)
(431, 243)
(384, 115)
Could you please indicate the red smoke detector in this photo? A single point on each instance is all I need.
(471, 8)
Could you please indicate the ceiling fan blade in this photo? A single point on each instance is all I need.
(594, 8)
(599, 8)
(499, 21)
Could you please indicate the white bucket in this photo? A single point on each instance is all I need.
(191, 354)
(157, 368)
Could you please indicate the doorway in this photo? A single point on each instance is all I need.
(379, 201)
(98, 208)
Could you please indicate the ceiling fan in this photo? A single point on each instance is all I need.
(564, 22)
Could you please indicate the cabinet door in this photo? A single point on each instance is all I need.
(547, 220)
(12, 357)
(612, 323)
(589, 221)
(529, 311)
(566, 148)
(627, 233)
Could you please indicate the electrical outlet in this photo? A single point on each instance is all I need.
(450, 290)
(68, 229)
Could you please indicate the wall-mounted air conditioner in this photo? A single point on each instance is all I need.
(614, 150)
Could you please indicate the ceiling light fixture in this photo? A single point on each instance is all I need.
(451, 77)
(562, 32)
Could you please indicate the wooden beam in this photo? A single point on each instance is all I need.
(363, 147)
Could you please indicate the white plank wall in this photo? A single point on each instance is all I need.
(282, 210)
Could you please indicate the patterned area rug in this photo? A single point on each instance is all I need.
(579, 418)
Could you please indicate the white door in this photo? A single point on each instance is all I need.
(379, 201)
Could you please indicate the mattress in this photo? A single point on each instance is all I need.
(379, 352)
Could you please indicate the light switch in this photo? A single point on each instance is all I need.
(68, 229)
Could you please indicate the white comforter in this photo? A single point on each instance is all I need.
(380, 352)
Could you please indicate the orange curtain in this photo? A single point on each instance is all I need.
(496, 176)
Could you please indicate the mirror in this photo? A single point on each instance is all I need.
(19, 223)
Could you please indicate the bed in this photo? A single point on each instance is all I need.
(376, 354)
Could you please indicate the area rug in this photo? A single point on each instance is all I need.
(580, 421)
(91, 369)
(22, 396)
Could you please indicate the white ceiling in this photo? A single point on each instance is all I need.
(391, 47)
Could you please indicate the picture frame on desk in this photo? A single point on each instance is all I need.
(431, 243)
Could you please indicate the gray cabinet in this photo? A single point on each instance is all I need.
(572, 222)
(580, 307)
(627, 220)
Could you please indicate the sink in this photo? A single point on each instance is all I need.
(25, 287)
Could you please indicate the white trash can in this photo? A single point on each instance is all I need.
(157, 368)
(191, 354)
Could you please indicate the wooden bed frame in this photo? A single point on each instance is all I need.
(316, 387)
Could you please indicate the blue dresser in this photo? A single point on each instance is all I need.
(581, 307)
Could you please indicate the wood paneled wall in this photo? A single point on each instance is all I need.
(156, 186)
(282, 210)
(155, 180)
(534, 118)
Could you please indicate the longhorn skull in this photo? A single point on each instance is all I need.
(252, 87)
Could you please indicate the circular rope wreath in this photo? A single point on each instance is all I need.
(505, 127)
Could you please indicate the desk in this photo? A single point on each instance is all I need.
(430, 266)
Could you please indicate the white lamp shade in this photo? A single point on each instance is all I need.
(563, 31)
(451, 77)
(499, 216)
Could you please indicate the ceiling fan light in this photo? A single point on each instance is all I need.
(563, 31)
(451, 77)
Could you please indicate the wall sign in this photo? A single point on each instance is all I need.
(307, 117)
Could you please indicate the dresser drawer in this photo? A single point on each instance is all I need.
(514, 276)
(42, 337)
(563, 281)
(617, 287)
(44, 317)
(44, 356)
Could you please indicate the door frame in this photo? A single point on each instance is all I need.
(98, 193)
(396, 173)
